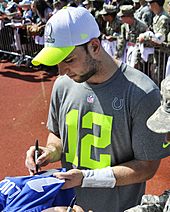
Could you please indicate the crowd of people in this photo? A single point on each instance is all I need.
(131, 30)
(19, 19)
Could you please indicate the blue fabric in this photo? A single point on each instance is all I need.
(33, 193)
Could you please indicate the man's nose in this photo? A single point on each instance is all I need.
(63, 68)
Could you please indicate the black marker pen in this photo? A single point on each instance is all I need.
(36, 154)
(72, 203)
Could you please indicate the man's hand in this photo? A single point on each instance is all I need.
(46, 155)
(72, 178)
(49, 154)
(110, 38)
(141, 38)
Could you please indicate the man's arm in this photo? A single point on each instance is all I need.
(135, 171)
(54, 143)
(131, 172)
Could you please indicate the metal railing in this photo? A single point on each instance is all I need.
(18, 42)
(155, 68)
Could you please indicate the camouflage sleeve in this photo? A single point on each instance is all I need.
(121, 42)
(147, 18)
(164, 26)
(141, 27)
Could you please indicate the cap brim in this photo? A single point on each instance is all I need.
(102, 12)
(159, 122)
(85, 2)
(51, 56)
(120, 14)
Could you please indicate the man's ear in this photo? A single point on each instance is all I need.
(94, 45)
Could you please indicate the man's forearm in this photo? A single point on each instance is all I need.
(55, 145)
(135, 171)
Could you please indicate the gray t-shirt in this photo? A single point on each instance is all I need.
(105, 125)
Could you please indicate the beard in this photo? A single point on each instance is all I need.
(93, 66)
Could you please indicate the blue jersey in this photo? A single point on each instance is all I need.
(33, 193)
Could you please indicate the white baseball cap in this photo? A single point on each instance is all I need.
(25, 2)
(68, 28)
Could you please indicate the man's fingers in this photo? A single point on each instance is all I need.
(31, 172)
(42, 160)
(61, 175)
(29, 162)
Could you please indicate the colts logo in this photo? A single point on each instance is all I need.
(90, 99)
(117, 104)
(48, 33)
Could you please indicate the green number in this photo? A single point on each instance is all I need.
(105, 123)
(72, 123)
(89, 140)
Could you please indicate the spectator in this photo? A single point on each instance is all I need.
(3, 5)
(112, 29)
(44, 12)
(88, 4)
(136, 4)
(21, 31)
(78, 3)
(168, 7)
(159, 122)
(130, 30)
(58, 4)
(72, 4)
(97, 117)
(6, 32)
(156, 36)
(144, 13)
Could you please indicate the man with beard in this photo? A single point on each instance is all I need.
(97, 117)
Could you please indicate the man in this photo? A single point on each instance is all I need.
(97, 117)
(58, 4)
(130, 30)
(88, 4)
(112, 29)
(136, 4)
(158, 122)
(144, 13)
(156, 37)
(168, 7)
(167, 72)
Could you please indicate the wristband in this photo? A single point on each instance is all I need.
(103, 178)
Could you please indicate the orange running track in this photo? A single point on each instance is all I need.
(24, 102)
